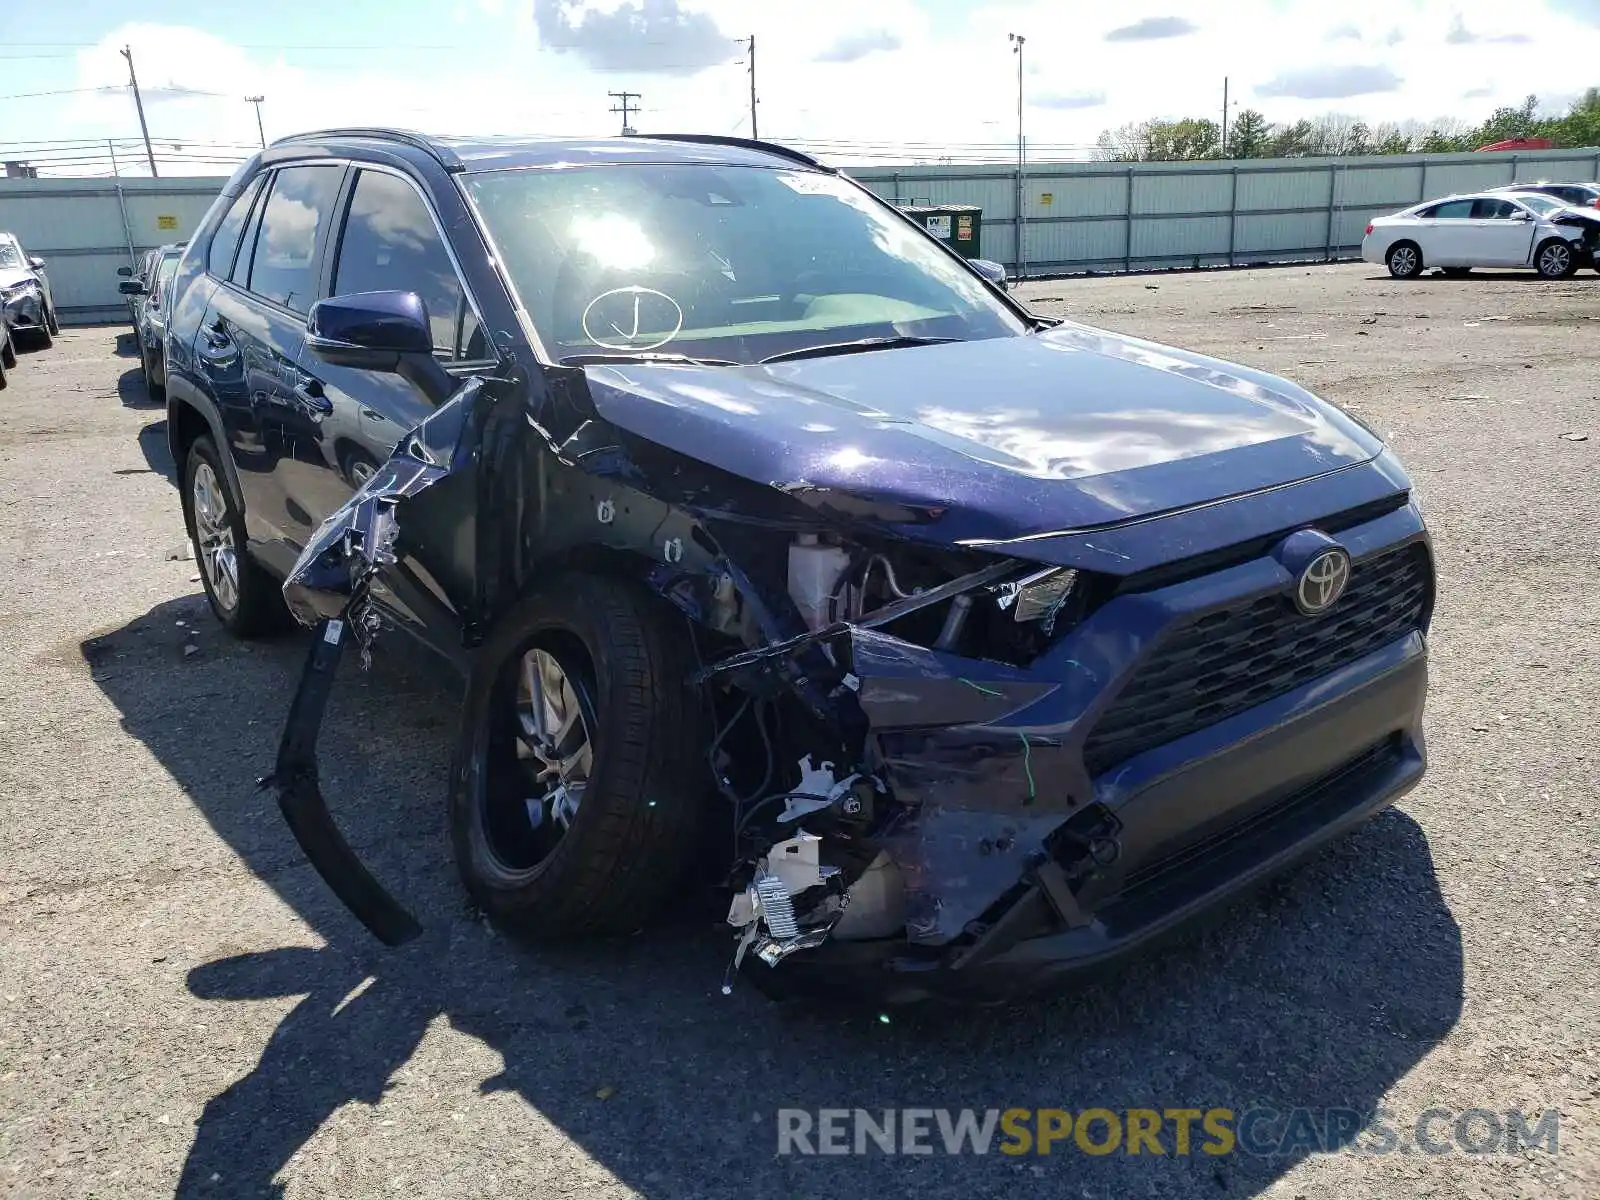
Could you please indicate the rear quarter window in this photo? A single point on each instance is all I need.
(225, 242)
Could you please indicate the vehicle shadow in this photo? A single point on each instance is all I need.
(131, 390)
(153, 444)
(127, 345)
(1320, 991)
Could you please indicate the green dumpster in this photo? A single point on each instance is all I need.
(959, 226)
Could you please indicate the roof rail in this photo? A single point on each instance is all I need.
(714, 139)
(448, 159)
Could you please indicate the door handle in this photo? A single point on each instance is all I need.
(309, 393)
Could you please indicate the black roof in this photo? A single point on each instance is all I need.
(463, 153)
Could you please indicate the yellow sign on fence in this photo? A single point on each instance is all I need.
(165, 221)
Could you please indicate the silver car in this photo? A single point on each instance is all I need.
(25, 302)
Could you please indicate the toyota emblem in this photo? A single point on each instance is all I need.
(1322, 582)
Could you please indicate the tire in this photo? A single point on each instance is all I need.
(155, 379)
(1456, 272)
(614, 861)
(1404, 260)
(242, 595)
(8, 348)
(1554, 259)
(50, 323)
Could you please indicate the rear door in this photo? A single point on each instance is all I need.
(1444, 233)
(388, 240)
(250, 341)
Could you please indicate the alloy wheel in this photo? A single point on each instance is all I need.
(1403, 261)
(213, 531)
(552, 744)
(1555, 260)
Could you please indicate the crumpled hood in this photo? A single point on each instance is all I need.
(1069, 429)
(10, 276)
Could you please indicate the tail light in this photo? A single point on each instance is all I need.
(1369, 224)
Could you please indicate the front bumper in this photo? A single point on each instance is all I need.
(1000, 905)
(24, 310)
(1283, 825)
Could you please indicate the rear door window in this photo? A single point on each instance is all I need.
(225, 242)
(1450, 210)
(390, 243)
(1494, 210)
(284, 264)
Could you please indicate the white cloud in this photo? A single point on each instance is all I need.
(835, 70)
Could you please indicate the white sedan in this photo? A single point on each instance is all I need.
(1487, 229)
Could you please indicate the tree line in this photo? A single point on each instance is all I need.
(1251, 135)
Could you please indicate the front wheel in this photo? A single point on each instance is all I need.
(50, 322)
(1554, 259)
(8, 348)
(576, 791)
(1405, 260)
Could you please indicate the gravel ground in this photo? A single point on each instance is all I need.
(185, 1010)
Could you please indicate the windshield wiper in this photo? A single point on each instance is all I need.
(646, 356)
(856, 347)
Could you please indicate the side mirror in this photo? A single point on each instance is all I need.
(131, 287)
(379, 331)
(992, 271)
(369, 330)
(125, 272)
(36, 263)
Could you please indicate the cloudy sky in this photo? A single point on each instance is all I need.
(883, 72)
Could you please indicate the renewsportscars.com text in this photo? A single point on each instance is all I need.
(1259, 1131)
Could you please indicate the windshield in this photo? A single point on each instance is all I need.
(729, 263)
(1540, 203)
(10, 254)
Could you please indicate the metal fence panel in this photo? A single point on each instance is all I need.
(86, 228)
(1118, 216)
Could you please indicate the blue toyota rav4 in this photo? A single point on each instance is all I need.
(777, 549)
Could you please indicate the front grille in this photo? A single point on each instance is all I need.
(1235, 658)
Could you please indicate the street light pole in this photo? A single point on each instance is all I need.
(1017, 40)
(260, 129)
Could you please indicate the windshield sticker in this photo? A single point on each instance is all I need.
(807, 183)
(632, 318)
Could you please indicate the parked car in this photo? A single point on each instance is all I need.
(1579, 195)
(25, 294)
(1486, 229)
(969, 648)
(148, 296)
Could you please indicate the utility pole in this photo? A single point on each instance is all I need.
(753, 134)
(1224, 116)
(1016, 46)
(624, 108)
(138, 102)
(260, 129)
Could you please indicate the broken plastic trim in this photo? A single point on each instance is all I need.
(294, 779)
(328, 588)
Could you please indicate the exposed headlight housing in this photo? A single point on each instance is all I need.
(12, 290)
(1036, 597)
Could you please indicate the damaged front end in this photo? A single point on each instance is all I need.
(903, 752)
